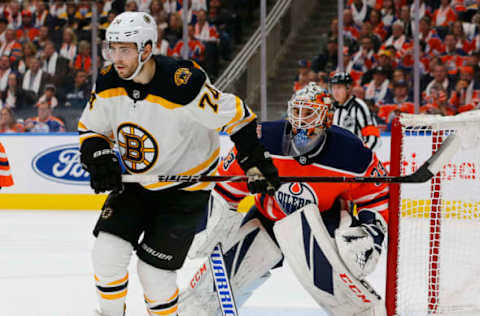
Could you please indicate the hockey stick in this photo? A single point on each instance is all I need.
(430, 168)
(222, 282)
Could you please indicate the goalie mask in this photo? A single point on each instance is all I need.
(131, 27)
(309, 114)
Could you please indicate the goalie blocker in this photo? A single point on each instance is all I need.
(307, 244)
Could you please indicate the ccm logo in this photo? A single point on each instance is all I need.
(353, 288)
(198, 276)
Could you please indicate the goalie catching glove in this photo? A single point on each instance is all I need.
(103, 166)
(360, 242)
(255, 161)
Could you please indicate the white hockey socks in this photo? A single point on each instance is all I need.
(160, 288)
(110, 258)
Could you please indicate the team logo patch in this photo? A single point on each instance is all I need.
(105, 69)
(293, 196)
(182, 75)
(106, 212)
(147, 19)
(138, 148)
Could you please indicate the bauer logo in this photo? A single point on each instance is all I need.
(61, 164)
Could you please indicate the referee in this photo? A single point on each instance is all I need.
(351, 112)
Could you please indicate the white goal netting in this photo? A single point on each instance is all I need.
(434, 246)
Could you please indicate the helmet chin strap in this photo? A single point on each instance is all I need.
(140, 65)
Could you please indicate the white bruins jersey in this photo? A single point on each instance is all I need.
(169, 126)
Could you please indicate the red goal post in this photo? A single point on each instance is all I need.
(433, 264)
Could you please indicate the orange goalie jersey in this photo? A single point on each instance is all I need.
(6, 179)
(340, 154)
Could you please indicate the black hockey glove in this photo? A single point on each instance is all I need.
(104, 169)
(262, 173)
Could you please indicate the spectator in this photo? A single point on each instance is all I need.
(49, 96)
(431, 41)
(322, 80)
(162, 47)
(42, 16)
(302, 82)
(366, 30)
(461, 38)
(377, 24)
(13, 96)
(8, 123)
(77, 94)
(423, 10)
(399, 75)
(452, 56)
(3, 28)
(378, 89)
(131, 6)
(44, 122)
(43, 37)
(196, 48)
(158, 13)
(365, 57)
(303, 68)
(54, 64)
(34, 81)
(28, 50)
(388, 13)
(28, 31)
(204, 31)
(437, 102)
(467, 91)
(440, 77)
(327, 60)
(406, 20)
(11, 47)
(174, 30)
(13, 15)
(398, 38)
(427, 77)
(444, 15)
(170, 6)
(69, 44)
(58, 8)
(384, 60)
(4, 72)
(349, 29)
(360, 11)
(71, 18)
(83, 61)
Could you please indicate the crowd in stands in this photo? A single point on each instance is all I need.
(379, 55)
(46, 51)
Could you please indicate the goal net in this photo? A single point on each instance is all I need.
(434, 227)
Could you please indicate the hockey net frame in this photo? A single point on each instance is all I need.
(438, 128)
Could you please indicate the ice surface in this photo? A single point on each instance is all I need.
(46, 271)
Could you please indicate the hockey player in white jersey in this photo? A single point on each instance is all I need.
(164, 115)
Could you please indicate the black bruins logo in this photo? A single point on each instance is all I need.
(138, 148)
(106, 212)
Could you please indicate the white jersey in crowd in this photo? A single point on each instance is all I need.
(167, 127)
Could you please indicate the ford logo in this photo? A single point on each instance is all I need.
(61, 164)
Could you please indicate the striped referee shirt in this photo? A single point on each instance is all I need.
(356, 117)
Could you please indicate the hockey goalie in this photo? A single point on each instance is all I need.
(310, 225)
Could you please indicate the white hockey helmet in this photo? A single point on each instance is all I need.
(132, 27)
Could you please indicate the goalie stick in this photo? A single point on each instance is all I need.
(430, 168)
(222, 282)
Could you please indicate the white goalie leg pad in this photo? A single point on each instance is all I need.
(312, 255)
(222, 222)
(250, 256)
